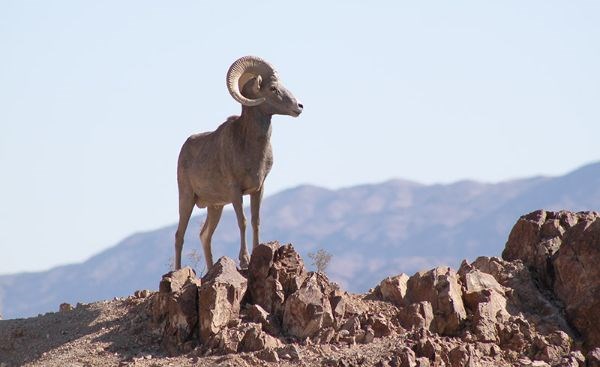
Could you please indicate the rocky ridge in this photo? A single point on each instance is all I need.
(536, 306)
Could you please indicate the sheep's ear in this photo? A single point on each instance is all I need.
(256, 84)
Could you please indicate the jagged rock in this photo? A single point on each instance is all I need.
(255, 339)
(220, 296)
(562, 249)
(593, 358)
(352, 324)
(339, 304)
(522, 291)
(552, 347)
(394, 289)
(459, 356)
(427, 348)
(226, 340)
(492, 312)
(308, 310)
(416, 315)
(574, 359)
(255, 313)
(175, 310)
(441, 288)
(274, 273)
(406, 357)
(381, 327)
(577, 277)
(536, 237)
(486, 300)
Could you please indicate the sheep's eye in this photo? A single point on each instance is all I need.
(274, 89)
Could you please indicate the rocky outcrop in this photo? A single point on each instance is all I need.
(394, 289)
(562, 249)
(175, 310)
(275, 272)
(535, 307)
(308, 310)
(220, 297)
(441, 288)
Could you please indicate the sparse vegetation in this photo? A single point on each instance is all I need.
(195, 259)
(320, 259)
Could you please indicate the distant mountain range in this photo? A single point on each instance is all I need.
(372, 231)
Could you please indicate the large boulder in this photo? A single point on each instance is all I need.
(175, 310)
(416, 316)
(562, 249)
(394, 289)
(537, 236)
(514, 294)
(577, 278)
(220, 297)
(275, 272)
(308, 310)
(486, 300)
(441, 288)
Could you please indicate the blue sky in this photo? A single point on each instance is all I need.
(96, 99)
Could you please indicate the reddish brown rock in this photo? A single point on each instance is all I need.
(255, 339)
(406, 357)
(562, 248)
(417, 315)
(220, 296)
(486, 300)
(380, 325)
(308, 310)
(175, 310)
(593, 358)
(492, 312)
(523, 292)
(257, 314)
(459, 356)
(394, 289)
(441, 288)
(275, 272)
(537, 236)
(577, 278)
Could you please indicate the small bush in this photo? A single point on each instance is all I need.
(320, 259)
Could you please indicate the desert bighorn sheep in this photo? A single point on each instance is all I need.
(219, 167)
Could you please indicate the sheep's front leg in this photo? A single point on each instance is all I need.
(238, 206)
(213, 215)
(255, 199)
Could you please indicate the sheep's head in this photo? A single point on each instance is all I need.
(254, 82)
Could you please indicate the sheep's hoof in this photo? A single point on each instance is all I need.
(244, 262)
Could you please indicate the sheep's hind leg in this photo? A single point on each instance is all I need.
(255, 199)
(186, 205)
(213, 215)
(238, 206)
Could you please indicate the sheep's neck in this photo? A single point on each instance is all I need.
(256, 125)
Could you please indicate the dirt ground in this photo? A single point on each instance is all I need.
(117, 333)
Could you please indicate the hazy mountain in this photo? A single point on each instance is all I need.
(371, 230)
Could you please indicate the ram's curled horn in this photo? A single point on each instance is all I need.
(244, 69)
